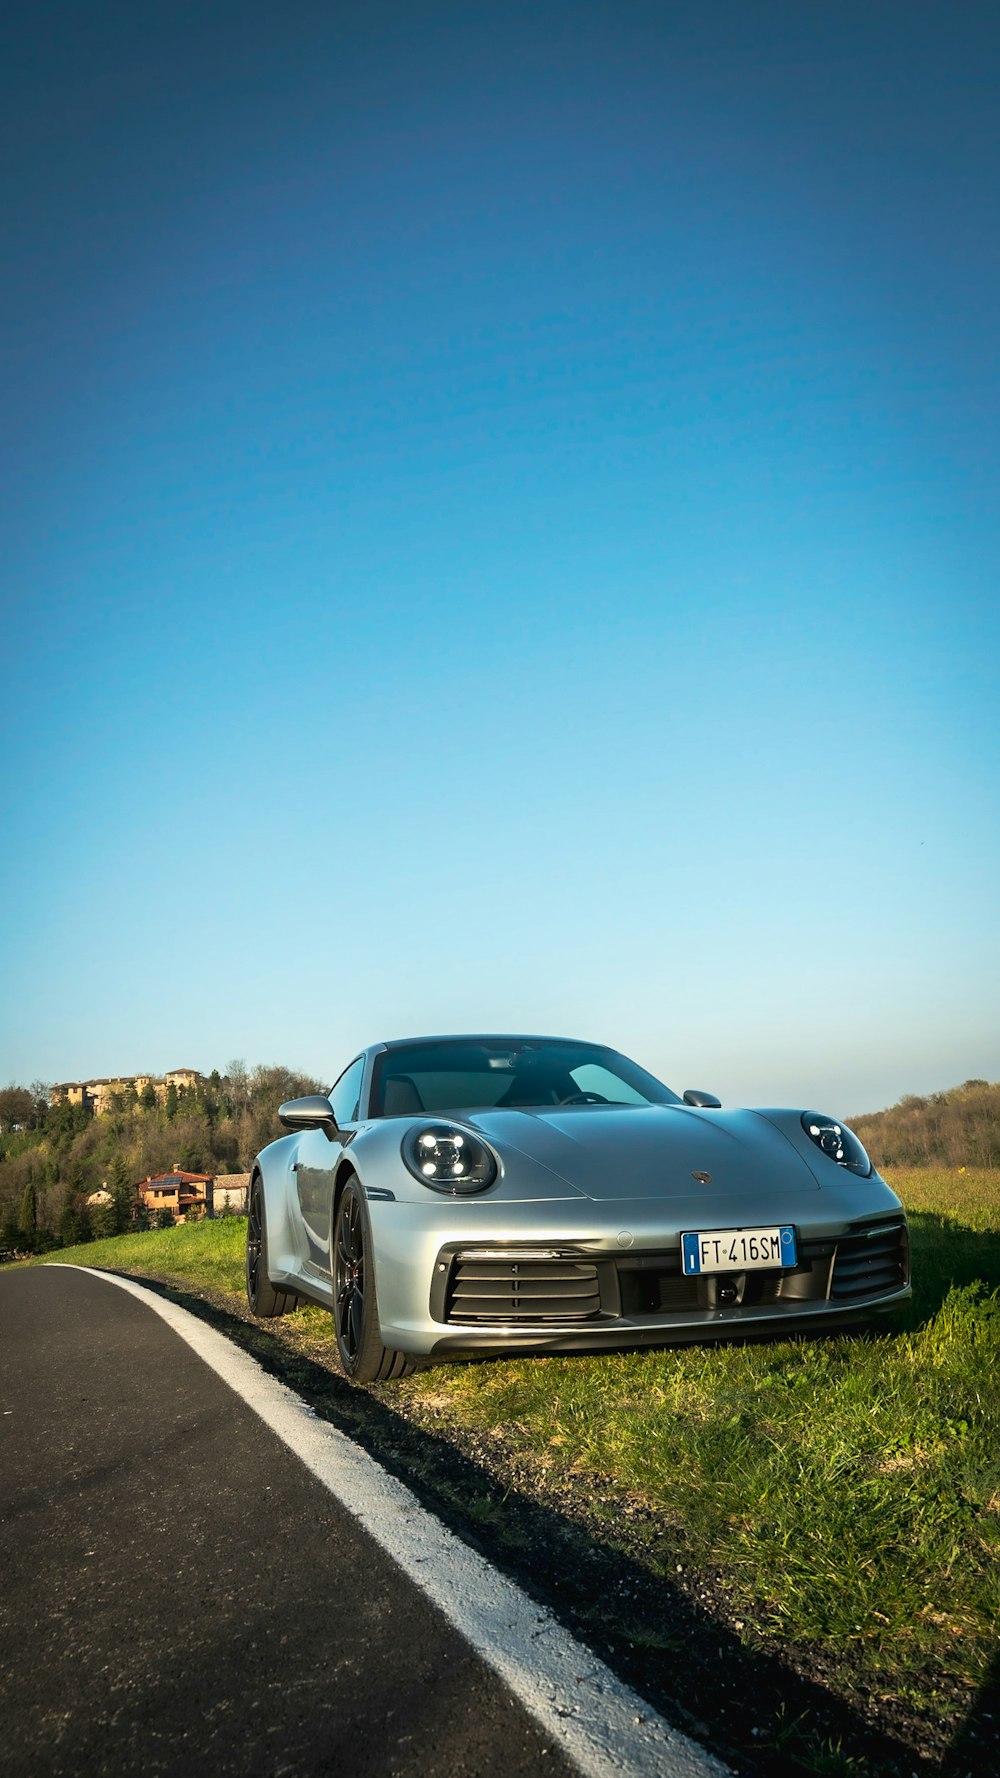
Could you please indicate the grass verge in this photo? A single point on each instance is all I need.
(834, 1501)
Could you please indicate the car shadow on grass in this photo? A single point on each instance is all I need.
(765, 1711)
(945, 1254)
(974, 1750)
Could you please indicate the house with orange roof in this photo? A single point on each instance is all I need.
(188, 1196)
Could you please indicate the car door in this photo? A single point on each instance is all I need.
(314, 1169)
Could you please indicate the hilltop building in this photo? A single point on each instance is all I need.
(99, 1095)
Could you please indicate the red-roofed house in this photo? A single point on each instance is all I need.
(188, 1196)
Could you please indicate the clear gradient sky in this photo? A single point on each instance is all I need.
(500, 519)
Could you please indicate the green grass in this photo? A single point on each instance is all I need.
(201, 1253)
(845, 1492)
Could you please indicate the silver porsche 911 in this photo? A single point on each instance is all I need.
(460, 1195)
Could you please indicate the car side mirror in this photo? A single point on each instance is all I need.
(705, 1101)
(311, 1113)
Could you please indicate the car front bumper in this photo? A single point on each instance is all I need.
(462, 1277)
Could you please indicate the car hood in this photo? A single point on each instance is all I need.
(644, 1151)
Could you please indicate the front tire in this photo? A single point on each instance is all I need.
(363, 1357)
(265, 1302)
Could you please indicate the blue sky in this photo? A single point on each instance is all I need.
(499, 522)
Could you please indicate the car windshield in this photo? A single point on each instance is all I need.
(479, 1073)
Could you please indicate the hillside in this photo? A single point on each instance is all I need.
(53, 1156)
(957, 1128)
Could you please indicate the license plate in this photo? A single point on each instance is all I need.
(737, 1250)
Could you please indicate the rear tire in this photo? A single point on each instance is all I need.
(363, 1357)
(265, 1302)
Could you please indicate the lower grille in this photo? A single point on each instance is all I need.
(870, 1263)
(522, 1290)
(653, 1285)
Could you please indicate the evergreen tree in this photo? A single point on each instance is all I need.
(70, 1226)
(148, 1097)
(27, 1222)
(170, 1105)
(103, 1220)
(122, 1195)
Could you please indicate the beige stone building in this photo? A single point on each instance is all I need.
(231, 1192)
(99, 1095)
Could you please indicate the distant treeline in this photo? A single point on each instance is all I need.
(53, 1157)
(959, 1128)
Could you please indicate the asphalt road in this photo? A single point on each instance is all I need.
(179, 1595)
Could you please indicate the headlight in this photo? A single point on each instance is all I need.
(836, 1141)
(448, 1159)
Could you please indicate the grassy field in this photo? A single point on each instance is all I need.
(207, 1254)
(844, 1493)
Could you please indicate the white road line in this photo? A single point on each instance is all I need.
(602, 1725)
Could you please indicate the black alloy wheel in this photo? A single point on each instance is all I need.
(355, 1311)
(264, 1300)
(350, 1281)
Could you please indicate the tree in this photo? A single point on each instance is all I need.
(170, 1103)
(39, 1090)
(147, 1098)
(122, 1194)
(71, 1231)
(66, 1121)
(27, 1222)
(103, 1220)
(238, 1084)
(17, 1106)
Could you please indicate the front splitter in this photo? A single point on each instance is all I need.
(622, 1333)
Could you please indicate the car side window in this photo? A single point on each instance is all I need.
(345, 1095)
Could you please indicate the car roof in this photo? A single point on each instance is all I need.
(395, 1043)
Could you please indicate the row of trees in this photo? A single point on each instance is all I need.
(53, 1157)
(958, 1128)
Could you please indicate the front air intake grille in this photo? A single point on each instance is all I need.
(522, 1290)
(870, 1263)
